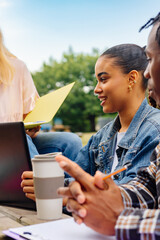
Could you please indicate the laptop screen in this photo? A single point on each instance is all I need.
(14, 159)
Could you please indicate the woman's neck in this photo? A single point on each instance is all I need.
(128, 114)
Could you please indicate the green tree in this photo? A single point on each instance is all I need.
(81, 107)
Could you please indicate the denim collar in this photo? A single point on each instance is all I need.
(134, 126)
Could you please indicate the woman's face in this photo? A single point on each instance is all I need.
(112, 85)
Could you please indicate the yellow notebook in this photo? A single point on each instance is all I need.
(46, 107)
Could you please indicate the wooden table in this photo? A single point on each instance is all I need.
(11, 217)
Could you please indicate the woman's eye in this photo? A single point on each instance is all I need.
(103, 79)
(148, 59)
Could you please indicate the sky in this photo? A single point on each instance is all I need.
(35, 30)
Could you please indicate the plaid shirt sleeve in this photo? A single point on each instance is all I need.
(138, 224)
(141, 191)
(141, 218)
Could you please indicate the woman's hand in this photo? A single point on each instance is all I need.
(33, 132)
(28, 185)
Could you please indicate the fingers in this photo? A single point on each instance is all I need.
(73, 191)
(28, 185)
(31, 196)
(27, 174)
(77, 219)
(38, 128)
(77, 193)
(75, 171)
(98, 180)
(27, 182)
(65, 201)
(35, 129)
(64, 192)
(29, 192)
(33, 132)
(76, 208)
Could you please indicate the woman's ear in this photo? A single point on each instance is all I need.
(132, 79)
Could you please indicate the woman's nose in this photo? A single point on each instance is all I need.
(97, 89)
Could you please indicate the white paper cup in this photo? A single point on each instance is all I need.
(48, 177)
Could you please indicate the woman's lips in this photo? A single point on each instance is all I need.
(103, 100)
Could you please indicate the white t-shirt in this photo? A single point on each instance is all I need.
(20, 96)
(120, 135)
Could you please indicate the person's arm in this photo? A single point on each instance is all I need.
(138, 224)
(141, 191)
(30, 96)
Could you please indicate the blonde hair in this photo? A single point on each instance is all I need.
(6, 69)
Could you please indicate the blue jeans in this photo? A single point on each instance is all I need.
(67, 143)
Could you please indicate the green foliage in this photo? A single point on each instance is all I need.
(81, 106)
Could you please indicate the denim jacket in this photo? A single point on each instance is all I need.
(135, 147)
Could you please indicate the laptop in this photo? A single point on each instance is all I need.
(14, 159)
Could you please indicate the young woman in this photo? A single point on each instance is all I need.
(17, 98)
(132, 136)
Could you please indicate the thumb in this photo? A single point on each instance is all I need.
(103, 183)
(98, 180)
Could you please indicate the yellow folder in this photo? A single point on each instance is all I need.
(46, 107)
